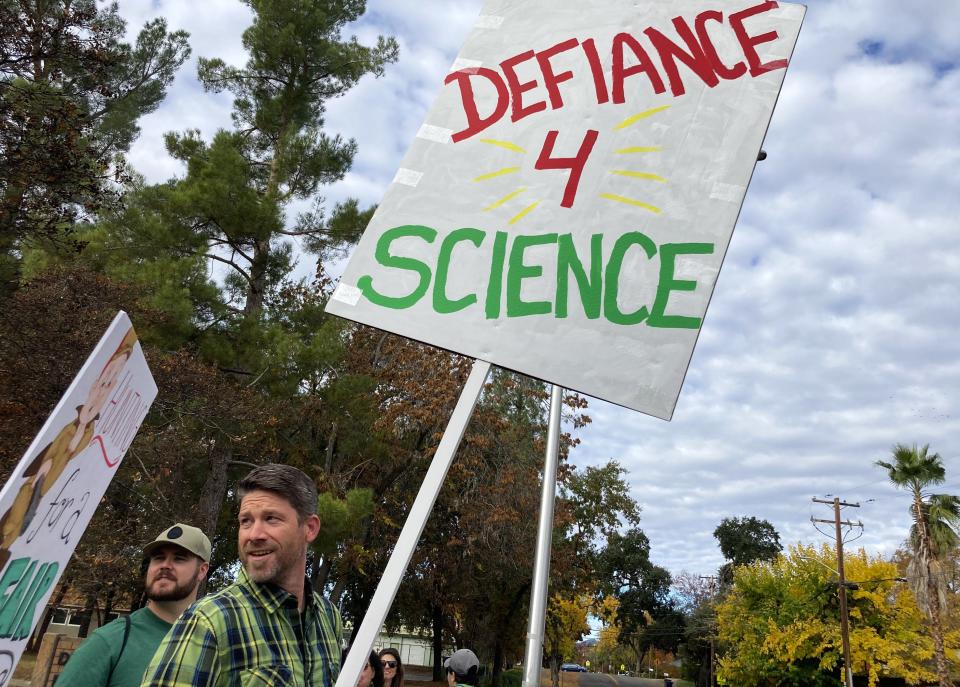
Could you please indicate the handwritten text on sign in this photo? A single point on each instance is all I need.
(588, 176)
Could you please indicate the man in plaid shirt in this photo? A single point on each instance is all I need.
(269, 627)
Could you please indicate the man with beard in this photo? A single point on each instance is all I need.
(269, 627)
(117, 654)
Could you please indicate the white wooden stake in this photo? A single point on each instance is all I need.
(413, 527)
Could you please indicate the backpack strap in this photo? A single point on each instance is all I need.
(123, 645)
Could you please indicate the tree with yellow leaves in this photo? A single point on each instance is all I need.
(566, 623)
(780, 623)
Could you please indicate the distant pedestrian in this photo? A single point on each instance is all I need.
(117, 654)
(462, 668)
(392, 667)
(269, 627)
(372, 673)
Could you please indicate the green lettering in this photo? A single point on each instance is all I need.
(591, 289)
(495, 286)
(383, 256)
(441, 303)
(611, 308)
(517, 272)
(14, 575)
(41, 584)
(668, 254)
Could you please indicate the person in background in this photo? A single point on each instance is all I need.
(392, 667)
(462, 668)
(117, 654)
(372, 673)
(269, 627)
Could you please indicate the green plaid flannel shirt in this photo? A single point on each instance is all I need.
(251, 634)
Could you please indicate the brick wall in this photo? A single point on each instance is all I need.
(55, 649)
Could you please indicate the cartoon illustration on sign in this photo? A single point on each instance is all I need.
(45, 469)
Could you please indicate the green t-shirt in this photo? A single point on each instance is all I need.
(90, 664)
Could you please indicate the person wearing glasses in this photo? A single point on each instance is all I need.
(392, 667)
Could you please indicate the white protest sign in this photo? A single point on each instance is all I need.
(565, 209)
(52, 493)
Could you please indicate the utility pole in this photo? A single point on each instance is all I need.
(713, 656)
(712, 662)
(842, 585)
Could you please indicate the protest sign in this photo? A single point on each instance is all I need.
(565, 209)
(51, 495)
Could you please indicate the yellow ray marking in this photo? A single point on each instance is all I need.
(523, 213)
(637, 175)
(638, 149)
(637, 117)
(509, 196)
(499, 172)
(503, 144)
(631, 201)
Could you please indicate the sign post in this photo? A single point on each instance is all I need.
(541, 563)
(413, 527)
(565, 209)
(51, 495)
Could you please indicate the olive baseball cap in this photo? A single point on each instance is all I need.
(184, 536)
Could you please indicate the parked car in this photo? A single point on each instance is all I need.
(573, 668)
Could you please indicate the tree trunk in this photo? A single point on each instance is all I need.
(86, 615)
(495, 677)
(108, 604)
(554, 669)
(257, 287)
(338, 590)
(331, 442)
(436, 616)
(943, 668)
(213, 493)
(321, 573)
(214, 489)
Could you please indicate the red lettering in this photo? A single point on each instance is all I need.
(670, 52)
(517, 89)
(476, 123)
(749, 43)
(574, 164)
(599, 82)
(644, 65)
(550, 80)
(722, 70)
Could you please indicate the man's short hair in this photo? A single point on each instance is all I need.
(286, 481)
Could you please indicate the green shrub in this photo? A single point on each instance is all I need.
(508, 678)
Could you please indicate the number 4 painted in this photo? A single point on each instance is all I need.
(574, 164)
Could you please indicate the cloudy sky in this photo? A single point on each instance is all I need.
(832, 333)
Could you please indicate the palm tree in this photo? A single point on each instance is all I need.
(932, 535)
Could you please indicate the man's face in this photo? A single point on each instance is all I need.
(272, 541)
(173, 573)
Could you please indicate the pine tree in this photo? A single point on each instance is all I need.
(71, 93)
